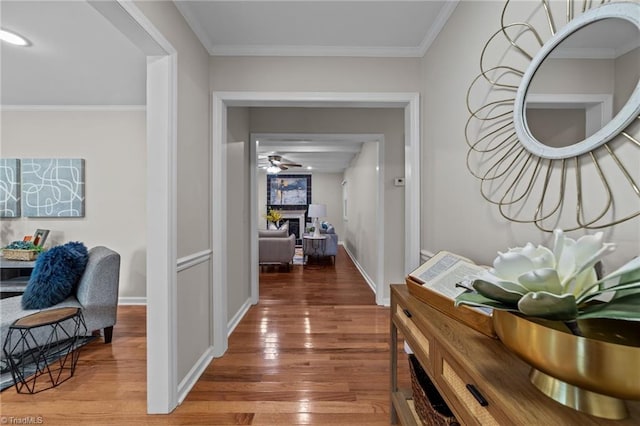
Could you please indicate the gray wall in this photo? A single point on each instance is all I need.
(193, 183)
(239, 286)
(113, 145)
(455, 217)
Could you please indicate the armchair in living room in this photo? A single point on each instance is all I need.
(276, 247)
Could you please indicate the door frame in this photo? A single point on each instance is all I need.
(221, 100)
(161, 229)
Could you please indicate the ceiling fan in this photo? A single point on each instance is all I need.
(278, 163)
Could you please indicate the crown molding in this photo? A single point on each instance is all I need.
(438, 25)
(354, 51)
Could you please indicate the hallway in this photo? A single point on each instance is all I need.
(313, 351)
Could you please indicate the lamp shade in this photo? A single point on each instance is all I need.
(317, 210)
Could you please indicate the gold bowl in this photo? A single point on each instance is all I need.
(593, 374)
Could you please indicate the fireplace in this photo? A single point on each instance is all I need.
(296, 222)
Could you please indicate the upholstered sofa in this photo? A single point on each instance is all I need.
(331, 243)
(276, 247)
(96, 295)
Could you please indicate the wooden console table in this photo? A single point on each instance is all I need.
(458, 358)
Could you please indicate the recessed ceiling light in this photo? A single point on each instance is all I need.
(13, 38)
(309, 167)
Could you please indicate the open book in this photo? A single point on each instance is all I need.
(447, 274)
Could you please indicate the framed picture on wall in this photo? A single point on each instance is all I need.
(288, 190)
(40, 237)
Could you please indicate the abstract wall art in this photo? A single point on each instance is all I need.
(52, 187)
(9, 187)
(288, 190)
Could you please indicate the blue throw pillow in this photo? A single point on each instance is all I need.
(55, 275)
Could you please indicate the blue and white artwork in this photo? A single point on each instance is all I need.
(9, 187)
(52, 187)
(289, 191)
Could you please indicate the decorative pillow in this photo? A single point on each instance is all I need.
(55, 275)
(272, 226)
(331, 229)
(285, 226)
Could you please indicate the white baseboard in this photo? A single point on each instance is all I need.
(132, 300)
(194, 374)
(366, 277)
(233, 323)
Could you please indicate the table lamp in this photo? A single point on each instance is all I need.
(317, 211)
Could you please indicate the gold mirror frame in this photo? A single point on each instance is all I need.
(543, 190)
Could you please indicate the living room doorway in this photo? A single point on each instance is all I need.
(408, 103)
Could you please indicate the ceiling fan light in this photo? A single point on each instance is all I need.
(273, 170)
(13, 38)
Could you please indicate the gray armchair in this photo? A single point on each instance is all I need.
(276, 247)
(96, 295)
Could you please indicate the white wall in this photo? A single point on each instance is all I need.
(113, 144)
(193, 182)
(455, 217)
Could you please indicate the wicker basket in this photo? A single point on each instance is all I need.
(13, 254)
(431, 408)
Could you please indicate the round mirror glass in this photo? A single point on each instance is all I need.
(582, 88)
(583, 83)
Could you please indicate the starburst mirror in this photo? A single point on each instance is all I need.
(554, 122)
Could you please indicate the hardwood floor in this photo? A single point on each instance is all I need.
(315, 351)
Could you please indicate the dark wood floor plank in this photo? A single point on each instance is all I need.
(313, 351)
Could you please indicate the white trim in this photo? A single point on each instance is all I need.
(437, 26)
(193, 259)
(380, 224)
(194, 374)
(132, 301)
(219, 236)
(161, 236)
(254, 267)
(341, 51)
(233, 322)
(367, 278)
(162, 342)
(412, 184)
(73, 108)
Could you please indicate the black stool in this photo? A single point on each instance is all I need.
(53, 352)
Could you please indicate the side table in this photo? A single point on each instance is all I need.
(315, 245)
(14, 276)
(44, 343)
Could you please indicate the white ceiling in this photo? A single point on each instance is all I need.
(317, 28)
(76, 56)
(327, 153)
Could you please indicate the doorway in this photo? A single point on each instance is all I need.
(409, 102)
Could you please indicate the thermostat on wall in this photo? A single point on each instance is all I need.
(398, 181)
